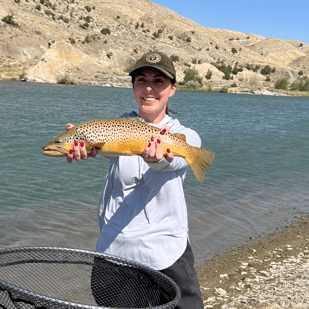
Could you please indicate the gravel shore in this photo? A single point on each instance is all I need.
(272, 272)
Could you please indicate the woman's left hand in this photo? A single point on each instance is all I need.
(154, 153)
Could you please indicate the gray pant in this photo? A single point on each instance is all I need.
(184, 274)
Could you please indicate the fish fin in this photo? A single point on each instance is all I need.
(199, 161)
(180, 136)
(134, 119)
(98, 144)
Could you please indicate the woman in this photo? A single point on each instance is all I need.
(142, 209)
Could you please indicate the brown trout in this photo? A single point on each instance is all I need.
(128, 136)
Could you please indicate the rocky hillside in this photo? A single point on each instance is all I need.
(95, 42)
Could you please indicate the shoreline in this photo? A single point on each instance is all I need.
(271, 272)
(248, 91)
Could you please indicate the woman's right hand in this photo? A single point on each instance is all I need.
(79, 151)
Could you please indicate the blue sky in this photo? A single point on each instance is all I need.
(285, 20)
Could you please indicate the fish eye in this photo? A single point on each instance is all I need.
(58, 141)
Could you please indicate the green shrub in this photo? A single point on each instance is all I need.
(216, 47)
(156, 35)
(88, 8)
(84, 26)
(64, 19)
(273, 70)
(227, 70)
(234, 50)
(65, 79)
(256, 68)
(267, 79)
(105, 31)
(282, 83)
(88, 19)
(301, 84)
(48, 13)
(194, 61)
(137, 26)
(209, 74)
(9, 20)
(160, 31)
(142, 25)
(187, 65)
(170, 37)
(135, 50)
(109, 55)
(234, 85)
(192, 75)
(87, 39)
(174, 58)
(72, 41)
(224, 89)
(188, 40)
(237, 68)
(266, 70)
(249, 66)
(300, 73)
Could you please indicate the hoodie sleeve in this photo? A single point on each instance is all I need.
(178, 163)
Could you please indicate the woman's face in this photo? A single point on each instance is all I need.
(152, 89)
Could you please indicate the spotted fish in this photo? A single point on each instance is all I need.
(128, 136)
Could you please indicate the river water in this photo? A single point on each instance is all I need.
(258, 182)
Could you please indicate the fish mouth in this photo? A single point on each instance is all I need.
(51, 152)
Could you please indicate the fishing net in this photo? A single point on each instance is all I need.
(59, 278)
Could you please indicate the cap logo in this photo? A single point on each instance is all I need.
(153, 58)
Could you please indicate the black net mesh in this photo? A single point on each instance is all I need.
(58, 278)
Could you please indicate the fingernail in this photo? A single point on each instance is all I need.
(158, 141)
(76, 143)
(163, 131)
(68, 126)
(71, 151)
(82, 144)
(152, 139)
(149, 144)
(168, 150)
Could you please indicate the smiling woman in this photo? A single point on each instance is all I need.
(142, 209)
(152, 90)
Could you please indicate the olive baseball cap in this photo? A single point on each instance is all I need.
(156, 60)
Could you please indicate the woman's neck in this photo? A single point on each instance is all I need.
(152, 118)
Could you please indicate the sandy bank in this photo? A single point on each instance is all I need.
(269, 273)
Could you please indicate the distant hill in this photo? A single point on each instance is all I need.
(95, 42)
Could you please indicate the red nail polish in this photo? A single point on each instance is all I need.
(68, 126)
(82, 144)
(71, 151)
(168, 150)
(152, 139)
(149, 144)
(158, 141)
(163, 131)
(76, 143)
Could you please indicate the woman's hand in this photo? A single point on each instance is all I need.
(79, 151)
(154, 152)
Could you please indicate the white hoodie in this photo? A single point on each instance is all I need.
(142, 210)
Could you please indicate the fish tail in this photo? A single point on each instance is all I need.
(199, 161)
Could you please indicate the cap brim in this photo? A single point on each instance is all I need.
(169, 75)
